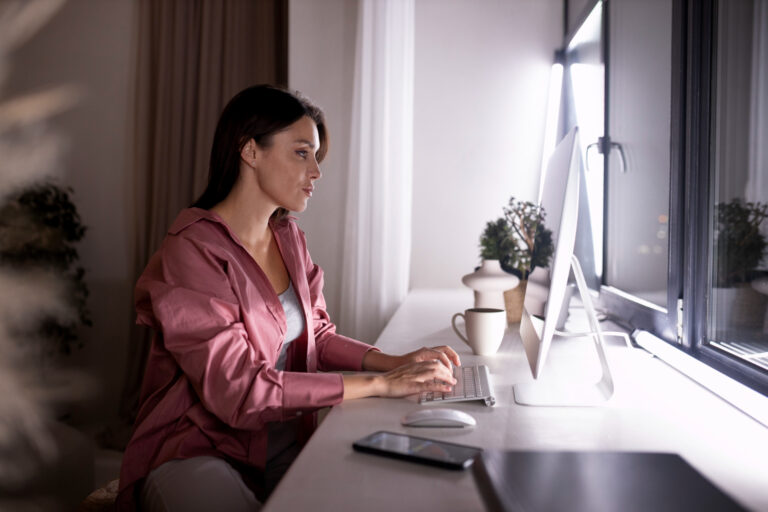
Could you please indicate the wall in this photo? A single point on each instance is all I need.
(88, 44)
(482, 71)
(481, 77)
(321, 59)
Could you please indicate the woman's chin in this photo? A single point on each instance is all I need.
(298, 207)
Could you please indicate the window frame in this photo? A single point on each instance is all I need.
(621, 307)
(694, 37)
(702, 29)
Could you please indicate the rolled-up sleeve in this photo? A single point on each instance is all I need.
(198, 314)
(334, 351)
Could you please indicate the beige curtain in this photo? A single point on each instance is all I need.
(192, 57)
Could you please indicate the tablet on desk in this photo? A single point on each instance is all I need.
(594, 482)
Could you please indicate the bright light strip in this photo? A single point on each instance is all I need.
(737, 394)
(553, 118)
(588, 85)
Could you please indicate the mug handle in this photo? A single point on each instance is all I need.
(453, 324)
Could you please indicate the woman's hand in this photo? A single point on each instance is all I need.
(443, 353)
(378, 361)
(407, 379)
(418, 377)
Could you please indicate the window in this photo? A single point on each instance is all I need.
(682, 165)
(618, 85)
(729, 288)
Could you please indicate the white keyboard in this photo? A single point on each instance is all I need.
(474, 383)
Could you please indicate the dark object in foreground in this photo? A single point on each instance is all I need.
(594, 482)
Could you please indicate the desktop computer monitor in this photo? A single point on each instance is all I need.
(546, 290)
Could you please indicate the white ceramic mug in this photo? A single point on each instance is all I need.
(485, 329)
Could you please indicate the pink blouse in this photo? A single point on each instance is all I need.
(211, 386)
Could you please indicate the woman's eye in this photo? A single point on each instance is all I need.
(302, 153)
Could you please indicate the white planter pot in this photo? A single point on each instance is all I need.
(489, 283)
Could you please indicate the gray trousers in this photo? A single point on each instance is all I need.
(196, 484)
(210, 483)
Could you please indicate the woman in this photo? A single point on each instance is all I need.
(236, 304)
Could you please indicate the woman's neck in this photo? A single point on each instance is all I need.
(247, 214)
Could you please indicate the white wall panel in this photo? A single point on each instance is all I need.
(482, 71)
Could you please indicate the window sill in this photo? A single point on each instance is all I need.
(745, 399)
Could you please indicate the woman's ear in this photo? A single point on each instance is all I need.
(249, 153)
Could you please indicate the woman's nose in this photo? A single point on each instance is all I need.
(315, 172)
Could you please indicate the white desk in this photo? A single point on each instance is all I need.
(654, 409)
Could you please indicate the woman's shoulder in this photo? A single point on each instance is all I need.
(195, 231)
(195, 246)
(196, 223)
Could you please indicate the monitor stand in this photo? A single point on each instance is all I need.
(549, 393)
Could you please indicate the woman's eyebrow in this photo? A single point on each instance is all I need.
(304, 141)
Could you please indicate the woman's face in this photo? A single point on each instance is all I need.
(287, 169)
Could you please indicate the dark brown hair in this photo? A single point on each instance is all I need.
(255, 113)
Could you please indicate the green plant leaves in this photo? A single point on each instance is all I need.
(739, 244)
(519, 239)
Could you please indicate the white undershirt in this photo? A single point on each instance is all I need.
(294, 319)
(282, 435)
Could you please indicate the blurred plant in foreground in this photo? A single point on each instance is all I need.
(30, 150)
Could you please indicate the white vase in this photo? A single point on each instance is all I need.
(489, 283)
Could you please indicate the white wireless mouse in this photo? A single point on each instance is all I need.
(438, 418)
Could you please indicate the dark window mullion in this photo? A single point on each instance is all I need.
(698, 120)
(677, 159)
(606, 53)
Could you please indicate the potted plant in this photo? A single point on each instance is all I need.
(521, 242)
(740, 247)
(39, 226)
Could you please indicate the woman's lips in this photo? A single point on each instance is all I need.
(308, 191)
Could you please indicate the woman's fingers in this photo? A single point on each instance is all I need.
(438, 370)
(427, 353)
(426, 369)
(449, 353)
(420, 386)
(445, 354)
(434, 385)
(441, 372)
(418, 377)
(440, 356)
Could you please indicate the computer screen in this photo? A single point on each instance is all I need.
(547, 288)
